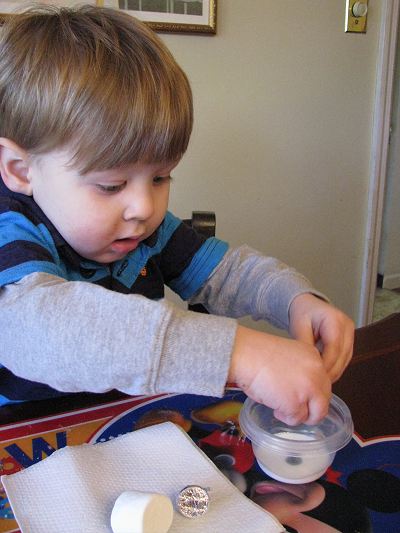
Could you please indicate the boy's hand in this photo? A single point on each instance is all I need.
(286, 375)
(318, 323)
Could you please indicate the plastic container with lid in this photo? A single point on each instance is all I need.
(295, 454)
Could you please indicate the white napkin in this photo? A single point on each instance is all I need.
(74, 490)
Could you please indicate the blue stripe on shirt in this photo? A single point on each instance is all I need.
(26, 248)
(200, 268)
(19, 227)
(6, 401)
(167, 228)
(16, 273)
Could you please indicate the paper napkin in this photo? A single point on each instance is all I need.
(74, 490)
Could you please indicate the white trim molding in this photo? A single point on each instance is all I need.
(379, 155)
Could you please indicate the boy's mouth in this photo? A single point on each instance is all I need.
(124, 246)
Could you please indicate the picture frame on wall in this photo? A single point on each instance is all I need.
(186, 16)
(182, 16)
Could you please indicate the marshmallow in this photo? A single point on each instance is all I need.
(141, 512)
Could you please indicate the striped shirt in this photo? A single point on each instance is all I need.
(175, 255)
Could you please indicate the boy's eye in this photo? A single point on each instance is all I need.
(157, 180)
(111, 188)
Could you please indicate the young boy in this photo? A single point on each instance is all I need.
(95, 115)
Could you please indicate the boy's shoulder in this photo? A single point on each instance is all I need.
(174, 232)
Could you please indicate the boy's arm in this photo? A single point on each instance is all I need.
(77, 336)
(248, 283)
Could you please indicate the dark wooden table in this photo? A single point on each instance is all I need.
(371, 384)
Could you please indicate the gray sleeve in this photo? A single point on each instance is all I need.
(247, 283)
(76, 336)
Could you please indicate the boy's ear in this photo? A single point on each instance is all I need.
(14, 167)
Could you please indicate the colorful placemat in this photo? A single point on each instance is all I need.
(360, 492)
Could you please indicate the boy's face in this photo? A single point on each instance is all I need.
(103, 215)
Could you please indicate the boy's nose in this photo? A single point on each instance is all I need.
(140, 205)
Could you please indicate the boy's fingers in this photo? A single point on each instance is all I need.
(317, 409)
(310, 412)
(307, 413)
(336, 357)
(303, 332)
(331, 356)
(293, 418)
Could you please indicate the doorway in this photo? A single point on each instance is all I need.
(387, 296)
(380, 158)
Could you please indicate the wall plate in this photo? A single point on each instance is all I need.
(356, 21)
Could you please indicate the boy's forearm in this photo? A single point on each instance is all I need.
(81, 337)
(249, 283)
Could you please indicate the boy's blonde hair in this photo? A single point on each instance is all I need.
(95, 80)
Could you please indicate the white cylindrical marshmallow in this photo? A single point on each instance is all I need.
(141, 512)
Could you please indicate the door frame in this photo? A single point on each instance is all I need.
(379, 155)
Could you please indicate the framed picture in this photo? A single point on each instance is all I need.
(186, 16)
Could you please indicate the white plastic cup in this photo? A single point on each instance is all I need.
(141, 512)
(295, 454)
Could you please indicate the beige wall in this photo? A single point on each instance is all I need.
(281, 146)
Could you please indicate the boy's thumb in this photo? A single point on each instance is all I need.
(302, 331)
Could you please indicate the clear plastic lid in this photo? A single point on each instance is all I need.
(333, 432)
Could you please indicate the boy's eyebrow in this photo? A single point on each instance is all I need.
(109, 174)
(94, 175)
